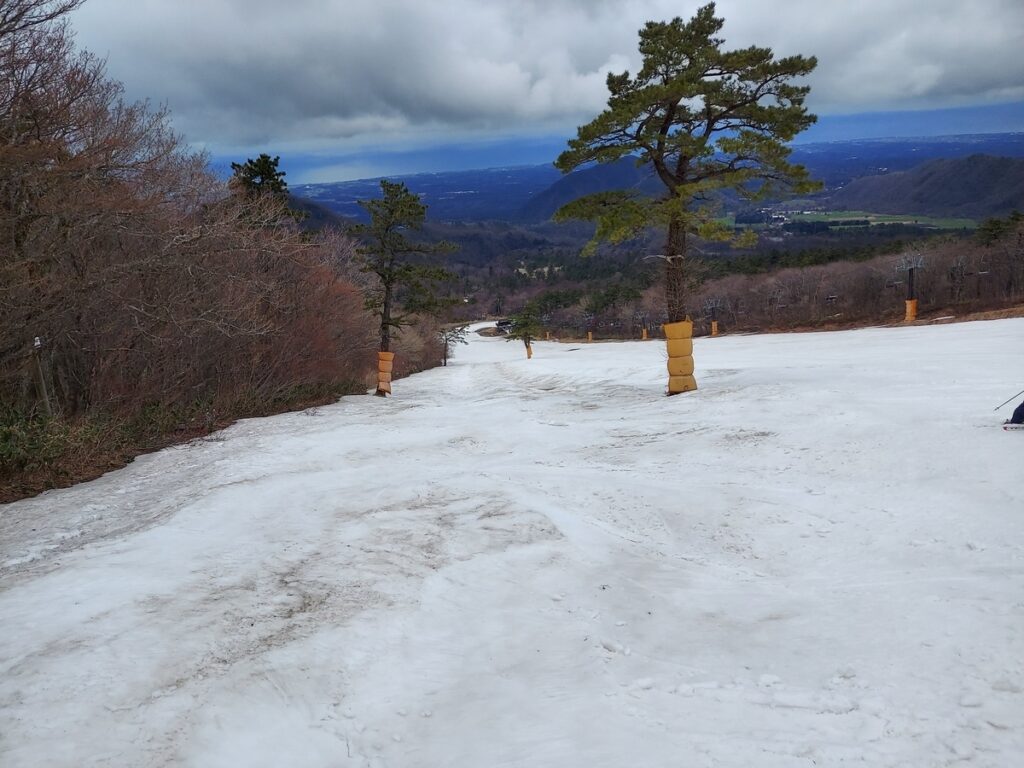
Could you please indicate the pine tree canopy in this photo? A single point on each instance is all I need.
(704, 119)
(526, 324)
(408, 283)
(260, 176)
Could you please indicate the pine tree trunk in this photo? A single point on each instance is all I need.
(385, 320)
(675, 271)
(384, 389)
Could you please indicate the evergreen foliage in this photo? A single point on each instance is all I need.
(526, 325)
(706, 120)
(450, 336)
(994, 229)
(260, 177)
(407, 283)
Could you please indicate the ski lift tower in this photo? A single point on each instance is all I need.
(910, 263)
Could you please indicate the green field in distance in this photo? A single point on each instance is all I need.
(885, 218)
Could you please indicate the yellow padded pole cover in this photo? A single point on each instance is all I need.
(911, 311)
(714, 327)
(679, 347)
(385, 365)
(680, 366)
(679, 340)
(681, 330)
(680, 384)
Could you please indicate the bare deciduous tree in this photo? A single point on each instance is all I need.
(150, 285)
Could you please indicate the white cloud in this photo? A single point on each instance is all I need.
(316, 72)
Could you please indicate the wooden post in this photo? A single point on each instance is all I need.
(590, 335)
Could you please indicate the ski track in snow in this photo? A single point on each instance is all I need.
(814, 560)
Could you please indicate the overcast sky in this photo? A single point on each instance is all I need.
(352, 81)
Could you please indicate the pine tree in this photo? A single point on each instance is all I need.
(526, 326)
(260, 177)
(449, 337)
(407, 283)
(704, 119)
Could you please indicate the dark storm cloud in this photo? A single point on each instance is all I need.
(311, 73)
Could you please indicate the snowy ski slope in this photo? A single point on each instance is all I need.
(815, 560)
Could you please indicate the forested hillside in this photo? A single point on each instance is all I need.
(142, 300)
(614, 294)
(971, 187)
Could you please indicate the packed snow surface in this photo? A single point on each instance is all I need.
(814, 560)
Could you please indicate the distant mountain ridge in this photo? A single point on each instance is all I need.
(622, 174)
(531, 194)
(836, 165)
(477, 195)
(977, 186)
